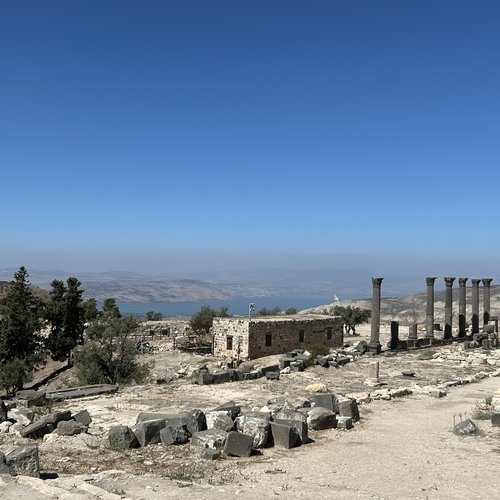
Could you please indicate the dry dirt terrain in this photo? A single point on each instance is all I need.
(401, 448)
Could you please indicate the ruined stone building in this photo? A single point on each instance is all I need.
(263, 336)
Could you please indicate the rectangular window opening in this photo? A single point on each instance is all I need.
(268, 340)
(301, 335)
(229, 343)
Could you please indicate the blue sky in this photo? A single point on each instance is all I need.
(173, 136)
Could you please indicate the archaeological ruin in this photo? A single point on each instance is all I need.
(245, 338)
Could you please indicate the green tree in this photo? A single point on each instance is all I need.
(66, 316)
(110, 308)
(352, 316)
(109, 354)
(202, 321)
(291, 310)
(154, 316)
(275, 311)
(90, 312)
(20, 342)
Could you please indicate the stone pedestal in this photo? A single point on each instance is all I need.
(429, 314)
(373, 379)
(448, 308)
(374, 346)
(462, 306)
(412, 332)
(393, 343)
(486, 300)
(475, 306)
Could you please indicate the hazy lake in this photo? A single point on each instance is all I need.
(237, 306)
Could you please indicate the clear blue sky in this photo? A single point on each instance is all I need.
(162, 135)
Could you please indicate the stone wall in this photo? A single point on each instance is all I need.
(274, 335)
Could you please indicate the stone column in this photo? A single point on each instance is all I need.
(374, 344)
(448, 307)
(429, 315)
(394, 342)
(462, 306)
(412, 332)
(486, 299)
(475, 305)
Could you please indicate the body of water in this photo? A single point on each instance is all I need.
(236, 306)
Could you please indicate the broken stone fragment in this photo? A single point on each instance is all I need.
(24, 461)
(29, 398)
(174, 435)
(321, 418)
(195, 421)
(122, 437)
(219, 420)
(211, 438)
(148, 431)
(22, 415)
(348, 408)
(465, 428)
(344, 423)
(70, 428)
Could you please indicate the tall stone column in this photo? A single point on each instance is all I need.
(486, 299)
(374, 344)
(448, 307)
(475, 305)
(462, 306)
(429, 314)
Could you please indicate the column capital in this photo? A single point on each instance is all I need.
(377, 281)
(487, 281)
(449, 281)
(462, 281)
(475, 281)
(430, 280)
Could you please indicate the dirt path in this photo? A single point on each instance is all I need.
(401, 449)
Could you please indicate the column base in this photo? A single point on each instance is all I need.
(374, 347)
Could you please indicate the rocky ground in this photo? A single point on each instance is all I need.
(403, 447)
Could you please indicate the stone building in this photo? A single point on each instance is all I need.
(263, 336)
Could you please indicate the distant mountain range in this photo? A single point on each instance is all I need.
(124, 286)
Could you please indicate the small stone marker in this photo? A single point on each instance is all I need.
(373, 379)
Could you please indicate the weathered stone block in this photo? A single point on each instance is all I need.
(251, 375)
(83, 417)
(495, 418)
(231, 407)
(325, 400)
(221, 377)
(29, 398)
(272, 375)
(57, 416)
(284, 362)
(344, 423)
(173, 435)
(22, 415)
(205, 378)
(70, 428)
(219, 420)
(148, 431)
(3, 411)
(37, 429)
(238, 445)
(300, 427)
(348, 408)
(256, 427)
(284, 436)
(122, 437)
(465, 428)
(321, 418)
(4, 468)
(211, 438)
(297, 366)
(195, 421)
(24, 461)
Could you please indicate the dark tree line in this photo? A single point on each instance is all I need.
(104, 353)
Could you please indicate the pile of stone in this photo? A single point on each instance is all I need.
(203, 376)
(227, 430)
(17, 416)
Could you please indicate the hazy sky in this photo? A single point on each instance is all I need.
(174, 135)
